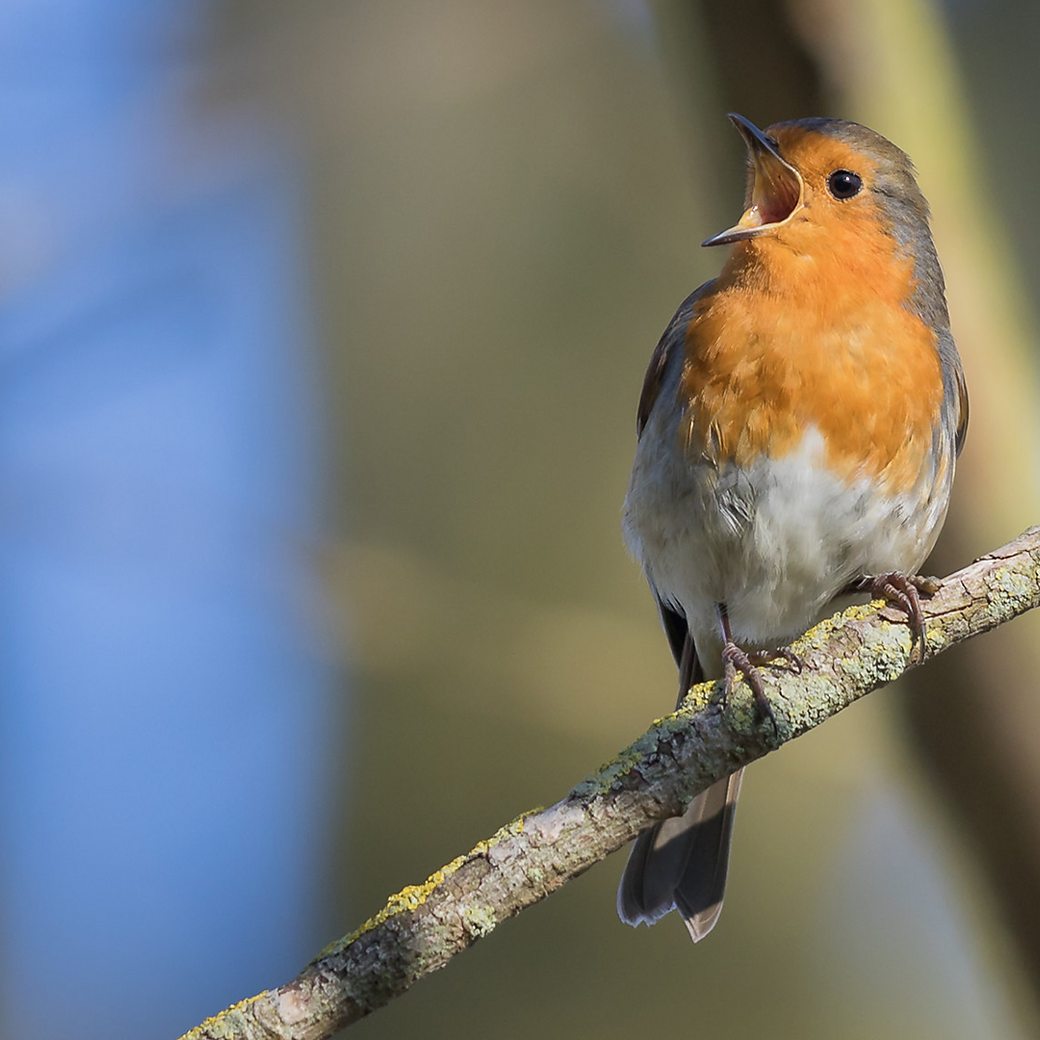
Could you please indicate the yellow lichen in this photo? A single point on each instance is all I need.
(221, 1025)
(411, 897)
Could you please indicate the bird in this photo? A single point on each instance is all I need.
(797, 435)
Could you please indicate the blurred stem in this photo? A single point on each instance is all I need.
(422, 927)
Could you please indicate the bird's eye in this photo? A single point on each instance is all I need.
(843, 184)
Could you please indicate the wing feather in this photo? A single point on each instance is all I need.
(674, 338)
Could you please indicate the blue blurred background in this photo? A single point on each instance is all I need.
(322, 327)
(169, 709)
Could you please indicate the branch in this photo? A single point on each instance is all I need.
(423, 926)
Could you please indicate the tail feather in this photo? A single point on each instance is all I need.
(681, 863)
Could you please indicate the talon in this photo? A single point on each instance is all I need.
(734, 660)
(767, 657)
(925, 583)
(902, 591)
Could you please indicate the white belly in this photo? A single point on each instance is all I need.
(774, 541)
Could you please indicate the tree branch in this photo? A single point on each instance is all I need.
(423, 926)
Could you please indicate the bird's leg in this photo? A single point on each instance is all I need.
(902, 591)
(736, 659)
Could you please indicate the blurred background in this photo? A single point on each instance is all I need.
(322, 329)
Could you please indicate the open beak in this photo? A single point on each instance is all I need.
(775, 187)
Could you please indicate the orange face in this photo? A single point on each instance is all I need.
(809, 304)
(838, 214)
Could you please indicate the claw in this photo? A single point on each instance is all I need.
(903, 591)
(734, 660)
(767, 657)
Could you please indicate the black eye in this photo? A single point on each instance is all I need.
(843, 184)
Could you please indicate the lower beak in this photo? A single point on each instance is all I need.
(775, 191)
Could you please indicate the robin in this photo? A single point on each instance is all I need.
(798, 430)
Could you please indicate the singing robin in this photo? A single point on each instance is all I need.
(798, 430)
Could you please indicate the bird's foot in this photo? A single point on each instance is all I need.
(768, 657)
(736, 659)
(904, 592)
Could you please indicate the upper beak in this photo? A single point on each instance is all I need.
(775, 191)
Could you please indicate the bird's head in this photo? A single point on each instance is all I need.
(827, 185)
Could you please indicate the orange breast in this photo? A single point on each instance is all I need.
(790, 340)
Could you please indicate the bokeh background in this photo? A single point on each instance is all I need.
(322, 327)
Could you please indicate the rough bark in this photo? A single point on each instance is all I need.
(423, 926)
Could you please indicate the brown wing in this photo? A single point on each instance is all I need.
(961, 431)
(673, 339)
(955, 391)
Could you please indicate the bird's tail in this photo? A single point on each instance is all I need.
(681, 863)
